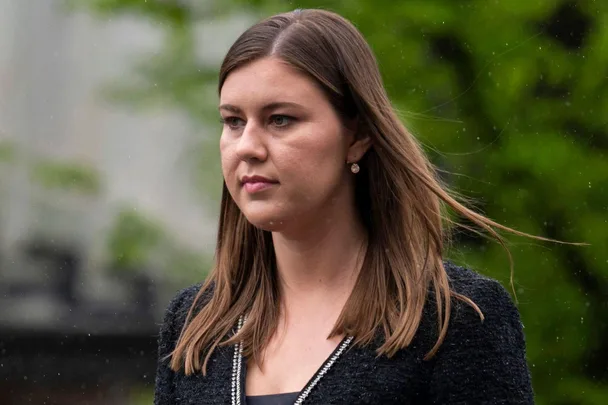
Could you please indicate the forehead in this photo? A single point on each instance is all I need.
(267, 80)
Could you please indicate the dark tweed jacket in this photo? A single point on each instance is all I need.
(478, 363)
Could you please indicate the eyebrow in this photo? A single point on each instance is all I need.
(267, 107)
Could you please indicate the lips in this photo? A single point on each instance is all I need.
(254, 184)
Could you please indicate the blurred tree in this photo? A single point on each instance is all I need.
(54, 174)
(510, 100)
(136, 242)
(66, 176)
(131, 239)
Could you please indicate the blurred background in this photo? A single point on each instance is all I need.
(110, 178)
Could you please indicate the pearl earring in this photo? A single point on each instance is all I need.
(354, 168)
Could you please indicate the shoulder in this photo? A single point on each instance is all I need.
(179, 306)
(487, 353)
(173, 322)
(500, 324)
(488, 294)
(184, 298)
(467, 281)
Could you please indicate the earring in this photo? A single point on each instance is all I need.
(354, 168)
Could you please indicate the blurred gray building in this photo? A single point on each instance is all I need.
(72, 332)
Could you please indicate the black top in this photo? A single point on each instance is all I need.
(478, 362)
(277, 399)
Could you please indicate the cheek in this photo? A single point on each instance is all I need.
(228, 158)
(314, 167)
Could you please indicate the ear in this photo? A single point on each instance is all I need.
(358, 142)
(358, 148)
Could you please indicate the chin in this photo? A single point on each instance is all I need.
(267, 221)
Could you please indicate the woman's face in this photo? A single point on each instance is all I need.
(283, 147)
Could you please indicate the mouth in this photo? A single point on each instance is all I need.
(255, 184)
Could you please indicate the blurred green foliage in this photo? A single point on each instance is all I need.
(54, 174)
(136, 241)
(7, 151)
(141, 396)
(131, 239)
(510, 98)
(67, 176)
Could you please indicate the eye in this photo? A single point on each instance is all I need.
(281, 120)
(232, 122)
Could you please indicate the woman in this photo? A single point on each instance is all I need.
(329, 285)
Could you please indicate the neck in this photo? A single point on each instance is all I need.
(321, 262)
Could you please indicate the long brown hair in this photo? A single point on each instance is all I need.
(399, 196)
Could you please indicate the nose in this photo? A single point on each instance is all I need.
(251, 144)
